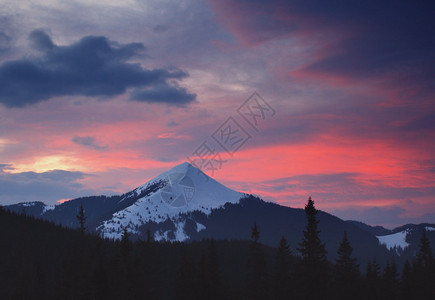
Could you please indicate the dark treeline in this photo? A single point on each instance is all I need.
(41, 260)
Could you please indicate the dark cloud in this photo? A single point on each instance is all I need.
(383, 37)
(361, 39)
(313, 182)
(93, 66)
(5, 167)
(160, 28)
(88, 141)
(47, 187)
(424, 123)
(172, 123)
(4, 42)
(341, 186)
(163, 93)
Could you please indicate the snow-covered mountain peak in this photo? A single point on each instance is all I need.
(180, 190)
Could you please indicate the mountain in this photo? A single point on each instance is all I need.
(405, 240)
(376, 230)
(181, 190)
(184, 204)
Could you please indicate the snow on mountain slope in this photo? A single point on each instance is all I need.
(394, 240)
(182, 189)
(35, 208)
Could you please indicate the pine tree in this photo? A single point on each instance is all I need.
(346, 270)
(390, 281)
(257, 279)
(372, 280)
(81, 218)
(314, 265)
(149, 236)
(425, 256)
(406, 287)
(255, 233)
(282, 278)
(424, 270)
(125, 243)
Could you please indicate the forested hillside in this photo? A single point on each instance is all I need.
(41, 260)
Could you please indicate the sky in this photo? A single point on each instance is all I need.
(283, 99)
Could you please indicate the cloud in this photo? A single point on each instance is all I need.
(353, 39)
(177, 96)
(93, 66)
(6, 32)
(4, 42)
(47, 187)
(172, 123)
(4, 167)
(425, 123)
(88, 141)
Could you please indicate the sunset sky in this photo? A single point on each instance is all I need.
(98, 97)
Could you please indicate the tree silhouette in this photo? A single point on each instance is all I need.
(314, 265)
(390, 281)
(406, 288)
(81, 218)
(425, 256)
(282, 278)
(346, 270)
(257, 279)
(125, 243)
(149, 236)
(424, 270)
(372, 280)
(255, 233)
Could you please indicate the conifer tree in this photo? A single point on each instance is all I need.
(346, 270)
(125, 243)
(257, 279)
(390, 281)
(372, 280)
(425, 256)
(255, 233)
(424, 270)
(81, 218)
(149, 236)
(406, 287)
(282, 277)
(314, 265)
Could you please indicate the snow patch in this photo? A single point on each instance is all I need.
(199, 227)
(394, 240)
(180, 234)
(203, 195)
(159, 236)
(47, 208)
(428, 228)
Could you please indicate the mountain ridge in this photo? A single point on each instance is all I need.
(184, 204)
